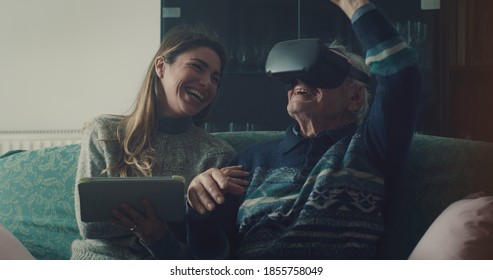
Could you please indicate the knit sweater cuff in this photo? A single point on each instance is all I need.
(166, 248)
(361, 11)
(194, 215)
(205, 237)
(386, 51)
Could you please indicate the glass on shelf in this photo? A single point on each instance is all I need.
(247, 58)
(229, 127)
(415, 33)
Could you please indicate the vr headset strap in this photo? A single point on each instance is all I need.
(359, 75)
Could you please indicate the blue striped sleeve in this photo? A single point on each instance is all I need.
(386, 52)
(361, 11)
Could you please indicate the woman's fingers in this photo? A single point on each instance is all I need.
(134, 215)
(235, 171)
(119, 219)
(148, 228)
(236, 188)
(229, 184)
(238, 181)
(203, 192)
(196, 203)
(208, 189)
(150, 210)
(232, 167)
(214, 185)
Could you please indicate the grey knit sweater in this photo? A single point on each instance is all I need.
(187, 154)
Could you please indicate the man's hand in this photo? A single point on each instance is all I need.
(349, 6)
(208, 188)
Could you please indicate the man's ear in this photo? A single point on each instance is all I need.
(159, 66)
(356, 98)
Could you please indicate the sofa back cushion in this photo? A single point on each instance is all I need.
(438, 172)
(36, 199)
(240, 139)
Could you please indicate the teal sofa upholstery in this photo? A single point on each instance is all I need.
(36, 190)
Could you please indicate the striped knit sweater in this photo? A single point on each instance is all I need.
(322, 197)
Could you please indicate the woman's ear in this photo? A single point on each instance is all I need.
(159, 66)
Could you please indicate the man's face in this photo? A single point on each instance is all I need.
(316, 104)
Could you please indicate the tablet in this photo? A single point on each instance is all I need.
(98, 195)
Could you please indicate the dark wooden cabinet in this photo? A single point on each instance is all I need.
(468, 69)
(247, 99)
(454, 45)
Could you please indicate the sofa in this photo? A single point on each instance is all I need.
(36, 191)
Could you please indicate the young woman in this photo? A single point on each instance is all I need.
(160, 137)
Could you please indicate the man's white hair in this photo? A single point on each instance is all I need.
(358, 62)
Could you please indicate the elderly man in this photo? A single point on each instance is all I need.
(319, 192)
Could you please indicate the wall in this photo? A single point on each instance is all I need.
(63, 62)
(470, 69)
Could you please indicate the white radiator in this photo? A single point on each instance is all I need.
(37, 139)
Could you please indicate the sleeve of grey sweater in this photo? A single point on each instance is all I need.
(95, 155)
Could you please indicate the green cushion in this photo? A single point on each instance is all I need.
(241, 139)
(36, 199)
(11, 152)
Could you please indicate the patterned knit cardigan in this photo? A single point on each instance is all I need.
(334, 213)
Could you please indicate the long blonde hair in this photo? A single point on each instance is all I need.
(137, 130)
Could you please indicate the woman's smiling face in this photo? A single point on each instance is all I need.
(190, 83)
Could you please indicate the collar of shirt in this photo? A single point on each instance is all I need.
(174, 125)
(293, 137)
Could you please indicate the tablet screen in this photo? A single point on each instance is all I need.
(99, 195)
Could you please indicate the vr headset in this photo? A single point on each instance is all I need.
(310, 61)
